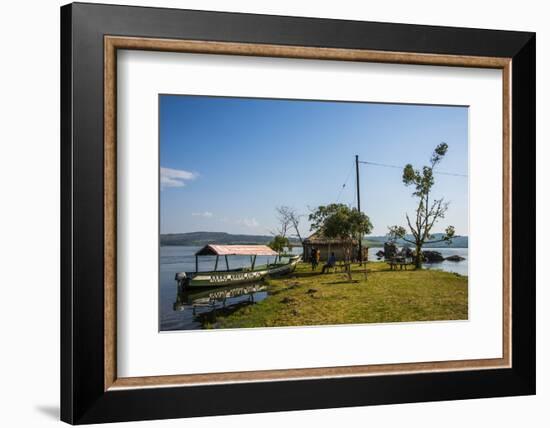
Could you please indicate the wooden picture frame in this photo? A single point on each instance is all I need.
(91, 390)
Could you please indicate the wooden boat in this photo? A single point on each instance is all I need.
(282, 265)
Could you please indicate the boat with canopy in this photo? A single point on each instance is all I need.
(282, 264)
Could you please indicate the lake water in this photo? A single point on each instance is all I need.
(448, 266)
(181, 315)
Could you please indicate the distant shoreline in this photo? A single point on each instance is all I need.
(198, 239)
(377, 245)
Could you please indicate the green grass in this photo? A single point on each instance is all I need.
(309, 298)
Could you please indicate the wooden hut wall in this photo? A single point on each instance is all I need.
(325, 249)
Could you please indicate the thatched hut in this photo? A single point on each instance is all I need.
(326, 246)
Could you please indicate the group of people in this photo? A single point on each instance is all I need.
(316, 257)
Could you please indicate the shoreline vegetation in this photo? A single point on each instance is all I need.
(200, 239)
(308, 298)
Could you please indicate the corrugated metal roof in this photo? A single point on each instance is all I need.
(236, 250)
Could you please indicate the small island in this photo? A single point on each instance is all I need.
(283, 212)
(305, 299)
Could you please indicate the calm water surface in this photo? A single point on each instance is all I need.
(181, 259)
(457, 267)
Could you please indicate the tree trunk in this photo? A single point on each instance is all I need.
(347, 257)
(418, 257)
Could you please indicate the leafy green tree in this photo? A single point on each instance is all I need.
(279, 243)
(338, 221)
(428, 212)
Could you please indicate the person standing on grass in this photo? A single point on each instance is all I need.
(330, 263)
(314, 260)
(317, 258)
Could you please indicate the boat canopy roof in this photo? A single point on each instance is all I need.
(235, 250)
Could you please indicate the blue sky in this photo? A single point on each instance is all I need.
(226, 163)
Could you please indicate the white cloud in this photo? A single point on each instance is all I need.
(248, 222)
(207, 214)
(170, 177)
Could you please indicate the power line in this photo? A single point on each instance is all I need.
(345, 182)
(400, 167)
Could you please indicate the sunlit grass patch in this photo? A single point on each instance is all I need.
(308, 298)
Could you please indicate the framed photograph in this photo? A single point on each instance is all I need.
(266, 213)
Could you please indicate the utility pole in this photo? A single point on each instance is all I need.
(359, 208)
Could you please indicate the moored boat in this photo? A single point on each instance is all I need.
(282, 265)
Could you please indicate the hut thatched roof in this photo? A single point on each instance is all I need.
(318, 239)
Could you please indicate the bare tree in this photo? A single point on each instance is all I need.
(284, 223)
(289, 217)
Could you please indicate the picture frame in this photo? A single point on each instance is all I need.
(91, 391)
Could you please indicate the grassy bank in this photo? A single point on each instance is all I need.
(309, 298)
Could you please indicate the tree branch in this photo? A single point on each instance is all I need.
(414, 232)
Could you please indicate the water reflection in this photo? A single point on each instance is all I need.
(176, 309)
(205, 304)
